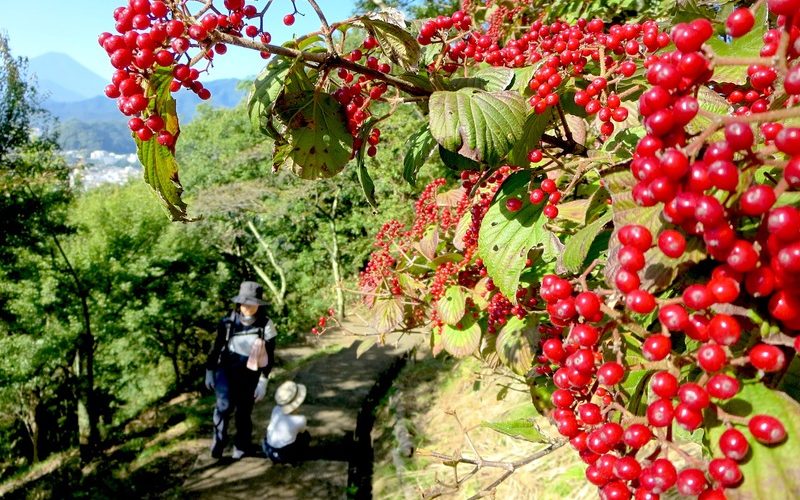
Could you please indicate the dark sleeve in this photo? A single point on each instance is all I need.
(270, 345)
(219, 344)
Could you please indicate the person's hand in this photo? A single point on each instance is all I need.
(261, 389)
(210, 380)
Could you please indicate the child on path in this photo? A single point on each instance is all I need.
(287, 438)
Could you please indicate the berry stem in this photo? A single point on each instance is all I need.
(326, 28)
(322, 59)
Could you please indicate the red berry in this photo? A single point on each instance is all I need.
(672, 243)
(691, 482)
(725, 471)
(610, 373)
(733, 444)
(513, 204)
(288, 19)
(660, 413)
(740, 22)
(664, 385)
(768, 358)
(767, 429)
(711, 357)
(722, 386)
(724, 329)
(640, 301)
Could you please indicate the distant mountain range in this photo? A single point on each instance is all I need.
(61, 78)
(74, 95)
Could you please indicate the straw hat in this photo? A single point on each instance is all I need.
(290, 395)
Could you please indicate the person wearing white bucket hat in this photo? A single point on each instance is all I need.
(287, 437)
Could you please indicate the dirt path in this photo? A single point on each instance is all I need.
(342, 390)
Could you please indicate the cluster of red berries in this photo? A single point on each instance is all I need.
(566, 50)
(326, 322)
(155, 34)
(699, 185)
(357, 94)
(151, 36)
(381, 261)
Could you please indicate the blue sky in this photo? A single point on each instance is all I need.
(36, 27)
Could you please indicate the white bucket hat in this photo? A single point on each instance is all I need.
(290, 396)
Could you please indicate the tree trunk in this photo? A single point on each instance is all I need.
(28, 416)
(88, 414)
(334, 252)
(175, 367)
(337, 276)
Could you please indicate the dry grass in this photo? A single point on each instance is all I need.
(429, 398)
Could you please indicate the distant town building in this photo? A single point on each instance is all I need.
(90, 169)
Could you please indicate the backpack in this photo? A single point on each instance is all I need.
(258, 352)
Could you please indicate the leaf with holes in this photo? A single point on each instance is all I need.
(766, 469)
(577, 246)
(481, 126)
(315, 143)
(264, 92)
(661, 270)
(160, 166)
(420, 146)
(515, 343)
(505, 238)
(452, 304)
(395, 42)
(490, 79)
(461, 342)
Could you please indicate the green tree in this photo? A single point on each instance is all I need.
(35, 193)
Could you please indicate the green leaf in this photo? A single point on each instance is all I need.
(713, 103)
(395, 42)
(420, 145)
(315, 143)
(461, 342)
(515, 343)
(532, 131)
(746, 46)
(482, 126)
(623, 142)
(160, 166)
(452, 304)
(367, 186)
(505, 238)
(457, 162)
(583, 210)
(364, 179)
(489, 79)
(518, 428)
(661, 270)
(264, 92)
(523, 76)
(387, 314)
(577, 246)
(461, 231)
(365, 345)
(768, 470)
(689, 10)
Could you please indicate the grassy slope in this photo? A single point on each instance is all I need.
(423, 400)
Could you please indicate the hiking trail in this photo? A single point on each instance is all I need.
(343, 390)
